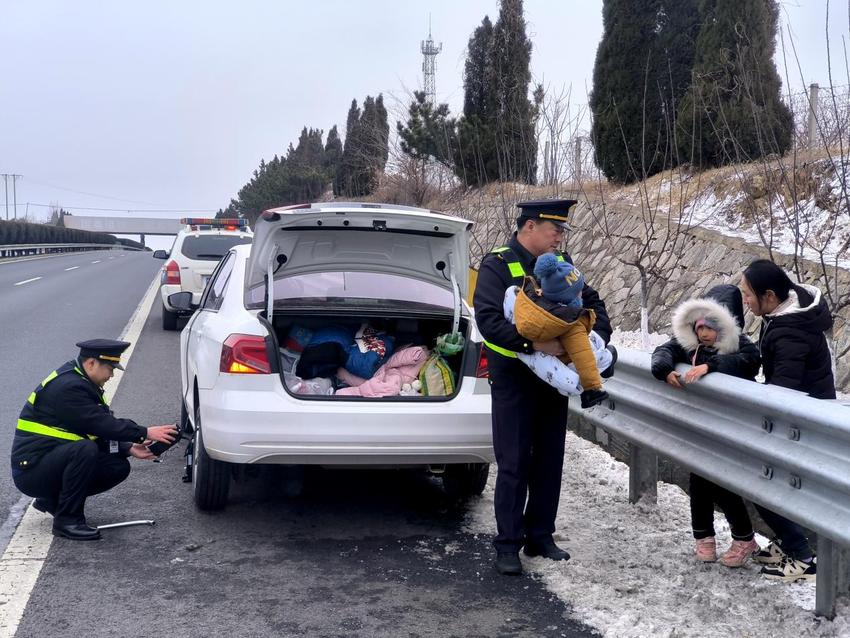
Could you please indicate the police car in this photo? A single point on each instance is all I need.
(193, 257)
(330, 268)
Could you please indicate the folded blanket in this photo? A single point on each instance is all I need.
(552, 370)
(402, 367)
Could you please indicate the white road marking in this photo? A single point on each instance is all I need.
(96, 261)
(71, 268)
(26, 281)
(25, 554)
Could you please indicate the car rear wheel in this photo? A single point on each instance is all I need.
(465, 480)
(169, 319)
(210, 477)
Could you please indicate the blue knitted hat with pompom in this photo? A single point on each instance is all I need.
(559, 280)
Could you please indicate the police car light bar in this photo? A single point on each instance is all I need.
(230, 224)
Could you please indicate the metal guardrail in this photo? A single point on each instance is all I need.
(21, 250)
(777, 447)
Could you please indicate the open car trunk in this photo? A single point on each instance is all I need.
(326, 356)
(356, 292)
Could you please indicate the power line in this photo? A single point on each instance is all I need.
(71, 190)
(129, 210)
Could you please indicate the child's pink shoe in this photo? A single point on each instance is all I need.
(706, 549)
(739, 552)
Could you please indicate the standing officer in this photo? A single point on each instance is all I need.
(68, 445)
(529, 416)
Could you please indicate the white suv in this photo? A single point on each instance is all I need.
(339, 265)
(193, 256)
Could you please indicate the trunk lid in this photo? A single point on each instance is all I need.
(360, 237)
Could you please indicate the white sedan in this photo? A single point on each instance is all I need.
(333, 269)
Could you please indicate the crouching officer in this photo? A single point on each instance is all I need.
(69, 446)
(529, 416)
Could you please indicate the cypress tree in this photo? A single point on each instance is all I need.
(642, 71)
(347, 167)
(733, 112)
(475, 157)
(333, 154)
(514, 114)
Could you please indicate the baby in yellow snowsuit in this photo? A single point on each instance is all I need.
(554, 310)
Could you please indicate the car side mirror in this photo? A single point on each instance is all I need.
(160, 254)
(182, 301)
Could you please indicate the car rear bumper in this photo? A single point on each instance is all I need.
(243, 426)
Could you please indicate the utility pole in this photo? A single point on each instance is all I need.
(429, 67)
(813, 109)
(15, 194)
(14, 177)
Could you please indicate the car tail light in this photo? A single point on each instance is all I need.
(481, 370)
(244, 354)
(170, 273)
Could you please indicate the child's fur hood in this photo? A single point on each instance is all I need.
(687, 313)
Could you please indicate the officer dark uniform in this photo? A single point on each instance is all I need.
(68, 445)
(529, 416)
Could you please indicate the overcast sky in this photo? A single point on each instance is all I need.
(171, 104)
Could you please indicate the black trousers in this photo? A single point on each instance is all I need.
(68, 474)
(704, 496)
(792, 536)
(529, 428)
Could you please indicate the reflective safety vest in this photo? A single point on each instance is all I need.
(518, 273)
(27, 422)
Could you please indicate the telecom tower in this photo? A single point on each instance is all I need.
(429, 53)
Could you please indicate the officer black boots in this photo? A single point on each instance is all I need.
(508, 563)
(546, 548)
(76, 532)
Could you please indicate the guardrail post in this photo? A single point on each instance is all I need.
(643, 474)
(833, 576)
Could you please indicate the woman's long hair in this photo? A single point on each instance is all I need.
(764, 275)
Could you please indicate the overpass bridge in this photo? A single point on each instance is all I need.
(140, 226)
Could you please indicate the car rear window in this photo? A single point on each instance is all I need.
(210, 247)
(341, 287)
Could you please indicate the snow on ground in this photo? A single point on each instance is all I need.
(722, 200)
(632, 572)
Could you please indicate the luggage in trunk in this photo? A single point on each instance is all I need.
(325, 356)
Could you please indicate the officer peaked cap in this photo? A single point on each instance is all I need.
(104, 350)
(553, 210)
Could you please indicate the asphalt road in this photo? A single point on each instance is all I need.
(47, 305)
(358, 553)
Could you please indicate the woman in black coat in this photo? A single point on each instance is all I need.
(795, 354)
(707, 335)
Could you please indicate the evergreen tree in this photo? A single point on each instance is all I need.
(495, 137)
(515, 115)
(642, 70)
(347, 166)
(333, 154)
(475, 159)
(366, 149)
(428, 131)
(733, 112)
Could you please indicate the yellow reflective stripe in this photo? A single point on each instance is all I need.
(500, 249)
(48, 430)
(515, 269)
(561, 257)
(31, 398)
(502, 351)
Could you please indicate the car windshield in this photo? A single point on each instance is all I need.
(354, 288)
(210, 247)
